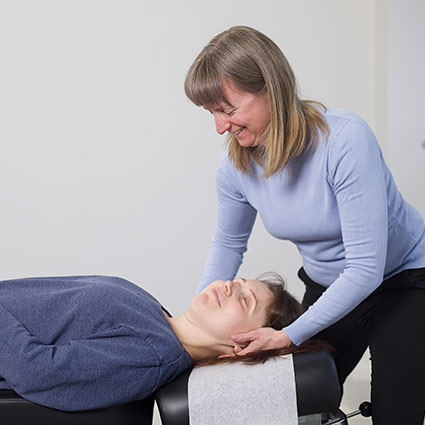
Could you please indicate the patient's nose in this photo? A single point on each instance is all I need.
(228, 287)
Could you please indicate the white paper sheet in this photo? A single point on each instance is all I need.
(238, 394)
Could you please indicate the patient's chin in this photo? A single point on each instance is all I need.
(199, 300)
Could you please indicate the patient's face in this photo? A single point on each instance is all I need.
(225, 308)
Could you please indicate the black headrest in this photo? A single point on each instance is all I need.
(316, 380)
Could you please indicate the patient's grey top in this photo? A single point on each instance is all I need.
(85, 342)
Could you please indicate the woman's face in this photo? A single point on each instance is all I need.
(225, 308)
(247, 116)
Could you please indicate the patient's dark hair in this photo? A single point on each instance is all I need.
(283, 310)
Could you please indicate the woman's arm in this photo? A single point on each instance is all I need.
(235, 219)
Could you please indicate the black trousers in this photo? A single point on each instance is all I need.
(391, 322)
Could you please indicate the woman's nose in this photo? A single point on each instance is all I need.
(222, 123)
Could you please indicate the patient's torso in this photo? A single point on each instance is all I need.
(58, 311)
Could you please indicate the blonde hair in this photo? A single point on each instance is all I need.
(254, 63)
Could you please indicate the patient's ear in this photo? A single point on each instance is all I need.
(232, 350)
(232, 354)
(227, 356)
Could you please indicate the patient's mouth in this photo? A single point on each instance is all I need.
(216, 297)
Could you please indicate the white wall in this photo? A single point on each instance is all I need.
(107, 168)
(405, 104)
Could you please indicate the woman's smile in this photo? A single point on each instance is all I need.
(236, 133)
(245, 116)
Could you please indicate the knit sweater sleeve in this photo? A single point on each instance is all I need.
(235, 219)
(356, 175)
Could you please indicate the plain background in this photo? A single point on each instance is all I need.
(106, 167)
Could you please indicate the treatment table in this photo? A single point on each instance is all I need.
(317, 388)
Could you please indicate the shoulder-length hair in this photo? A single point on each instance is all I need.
(254, 63)
(282, 311)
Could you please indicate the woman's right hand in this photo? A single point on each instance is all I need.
(259, 340)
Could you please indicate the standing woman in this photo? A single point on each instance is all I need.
(317, 178)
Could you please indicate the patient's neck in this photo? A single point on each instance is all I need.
(197, 342)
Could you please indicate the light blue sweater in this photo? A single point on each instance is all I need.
(341, 208)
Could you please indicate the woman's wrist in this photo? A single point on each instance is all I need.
(283, 340)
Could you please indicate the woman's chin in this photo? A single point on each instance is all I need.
(248, 142)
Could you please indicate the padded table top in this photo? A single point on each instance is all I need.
(16, 410)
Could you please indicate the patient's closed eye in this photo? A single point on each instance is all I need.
(244, 300)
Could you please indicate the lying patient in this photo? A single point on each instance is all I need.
(86, 342)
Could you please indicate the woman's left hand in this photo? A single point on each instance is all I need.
(259, 340)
